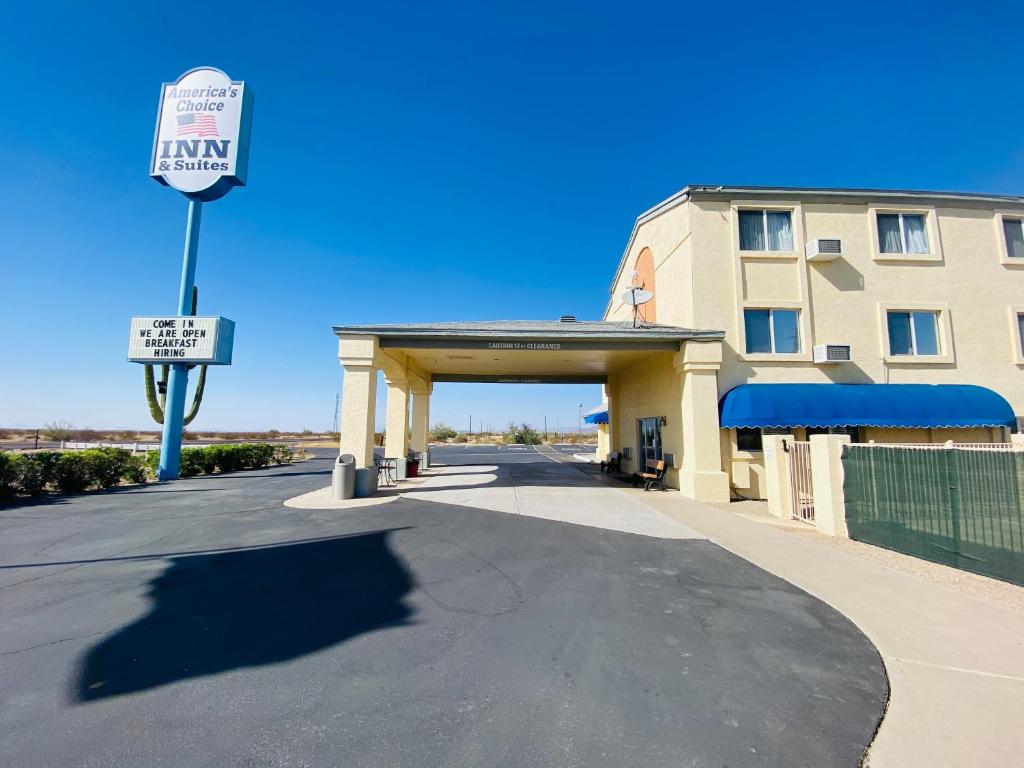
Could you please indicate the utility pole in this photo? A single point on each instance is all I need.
(545, 429)
(337, 403)
(471, 424)
(581, 420)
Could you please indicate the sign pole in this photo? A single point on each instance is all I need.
(174, 415)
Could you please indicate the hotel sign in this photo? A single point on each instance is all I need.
(185, 340)
(203, 124)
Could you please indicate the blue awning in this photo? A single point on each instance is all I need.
(597, 415)
(864, 405)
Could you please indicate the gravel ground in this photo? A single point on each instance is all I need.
(1000, 593)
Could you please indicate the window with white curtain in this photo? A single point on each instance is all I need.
(913, 333)
(772, 331)
(1013, 232)
(766, 230)
(902, 233)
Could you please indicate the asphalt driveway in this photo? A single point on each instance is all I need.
(203, 623)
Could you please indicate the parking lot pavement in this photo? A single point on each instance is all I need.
(202, 623)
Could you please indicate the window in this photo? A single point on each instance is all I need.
(772, 331)
(764, 230)
(1020, 332)
(913, 333)
(1013, 232)
(751, 438)
(902, 233)
(748, 439)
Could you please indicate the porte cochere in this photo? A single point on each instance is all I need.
(656, 374)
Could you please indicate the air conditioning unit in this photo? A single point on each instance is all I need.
(823, 249)
(831, 353)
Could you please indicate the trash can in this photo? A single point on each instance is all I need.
(343, 485)
(413, 467)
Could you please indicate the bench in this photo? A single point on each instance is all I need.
(614, 461)
(653, 474)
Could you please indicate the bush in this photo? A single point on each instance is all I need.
(191, 462)
(103, 465)
(58, 430)
(442, 432)
(71, 473)
(523, 433)
(10, 471)
(74, 471)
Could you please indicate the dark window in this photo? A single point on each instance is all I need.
(748, 439)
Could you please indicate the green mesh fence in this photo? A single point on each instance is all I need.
(959, 507)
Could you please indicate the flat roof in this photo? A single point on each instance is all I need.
(612, 332)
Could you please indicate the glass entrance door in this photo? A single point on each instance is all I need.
(649, 440)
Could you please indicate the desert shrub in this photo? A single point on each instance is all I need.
(522, 433)
(283, 454)
(58, 430)
(71, 473)
(442, 432)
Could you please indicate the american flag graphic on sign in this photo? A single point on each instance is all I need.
(197, 124)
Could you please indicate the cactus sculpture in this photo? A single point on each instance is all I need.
(156, 392)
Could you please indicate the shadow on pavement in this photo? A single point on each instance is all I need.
(242, 608)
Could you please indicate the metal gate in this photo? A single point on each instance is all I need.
(801, 489)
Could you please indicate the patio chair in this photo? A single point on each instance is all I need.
(613, 461)
(654, 475)
(386, 468)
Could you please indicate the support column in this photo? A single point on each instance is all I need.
(604, 431)
(421, 423)
(359, 406)
(776, 475)
(396, 436)
(827, 484)
(701, 476)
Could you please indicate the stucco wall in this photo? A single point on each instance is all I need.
(705, 281)
(666, 236)
(650, 388)
(841, 301)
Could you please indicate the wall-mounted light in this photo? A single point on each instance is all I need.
(664, 421)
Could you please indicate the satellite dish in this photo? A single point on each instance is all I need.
(637, 296)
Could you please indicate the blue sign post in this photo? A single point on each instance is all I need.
(177, 383)
(201, 149)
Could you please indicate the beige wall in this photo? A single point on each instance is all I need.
(666, 236)
(650, 388)
(704, 281)
(842, 301)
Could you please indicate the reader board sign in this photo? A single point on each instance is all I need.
(203, 125)
(185, 340)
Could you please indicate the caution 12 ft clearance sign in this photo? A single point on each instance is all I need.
(201, 147)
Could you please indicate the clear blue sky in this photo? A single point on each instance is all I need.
(484, 159)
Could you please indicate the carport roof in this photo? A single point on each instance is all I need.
(583, 330)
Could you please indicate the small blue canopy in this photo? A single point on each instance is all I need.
(864, 405)
(597, 415)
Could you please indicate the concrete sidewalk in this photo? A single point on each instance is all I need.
(955, 662)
